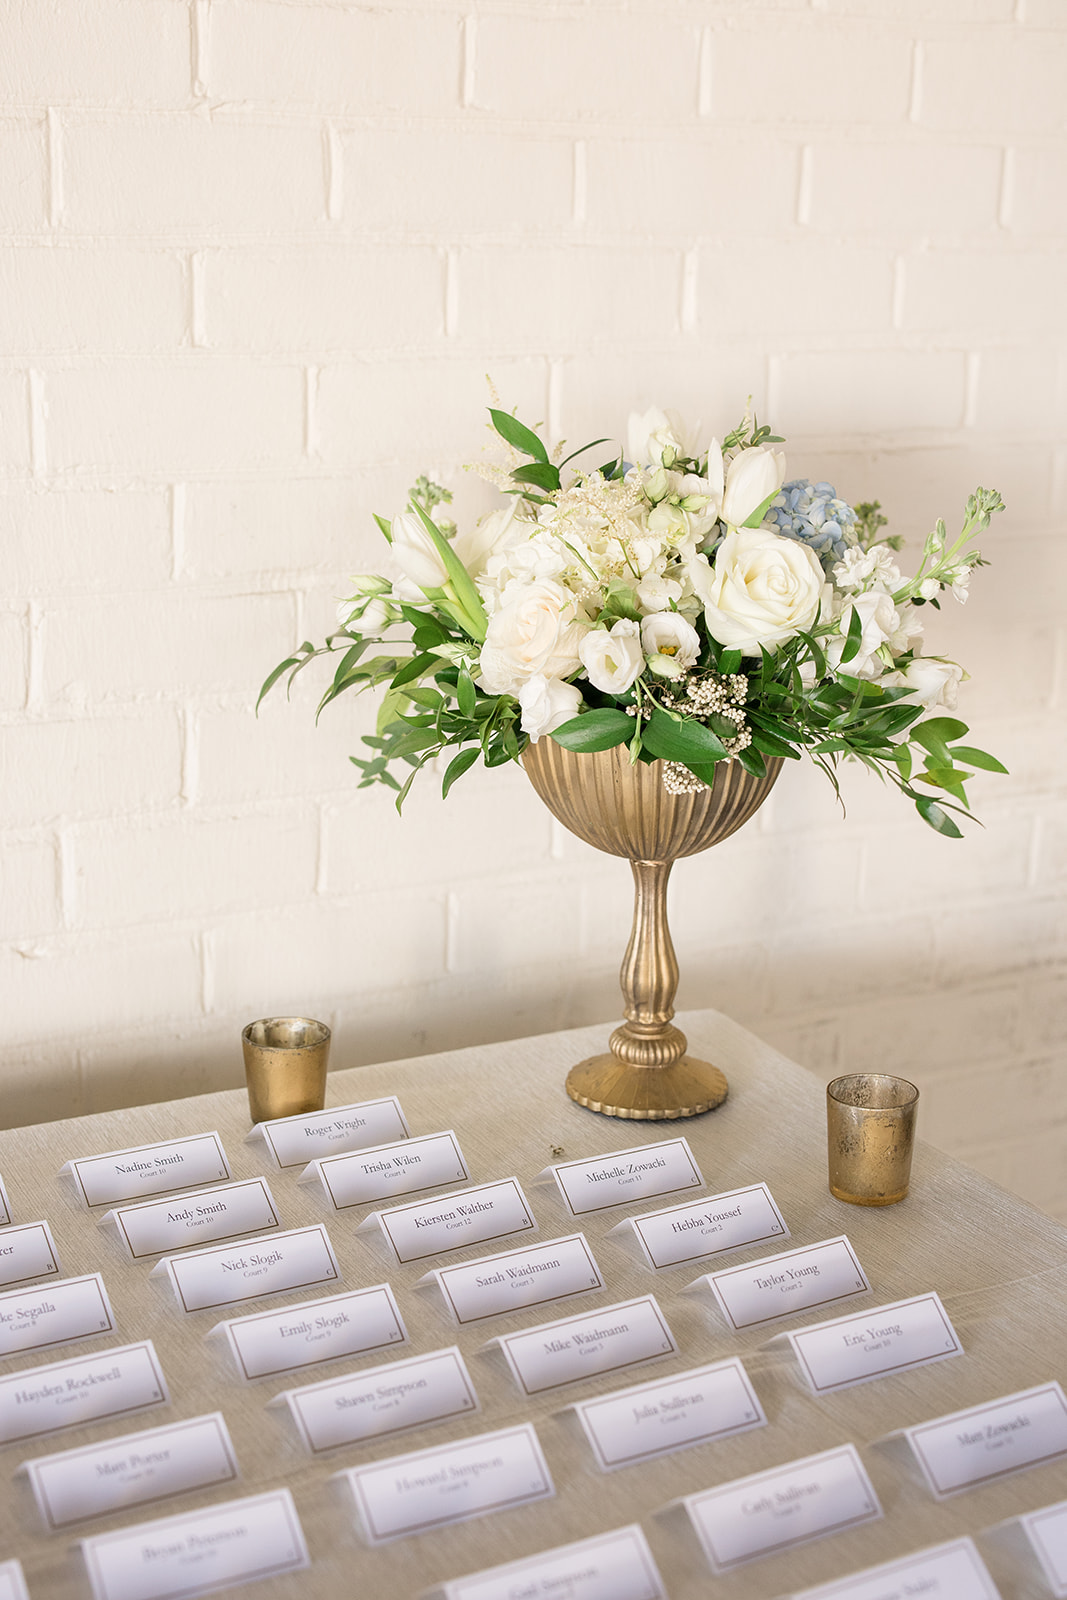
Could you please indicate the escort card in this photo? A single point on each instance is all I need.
(54, 1313)
(707, 1227)
(449, 1483)
(530, 1276)
(26, 1252)
(987, 1442)
(1047, 1532)
(5, 1218)
(199, 1551)
(653, 1419)
(613, 1566)
(386, 1399)
(66, 1394)
(132, 1471)
(574, 1348)
(314, 1332)
(385, 1170)
(781, 1286)
(953, 1571)
(294, 1141)
(150, 1169)
(626, 1175)
(226, 1274)
(156, 1226)
(893, 1338)
(12, 1582)
(769, 1512)
(469, 1216)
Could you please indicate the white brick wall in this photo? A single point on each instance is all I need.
(256, 260)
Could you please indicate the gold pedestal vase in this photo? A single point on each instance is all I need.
(625, 810)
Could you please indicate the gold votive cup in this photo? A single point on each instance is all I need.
(870, 1124)
(285, 1066)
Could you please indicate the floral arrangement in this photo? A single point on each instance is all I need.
(682, 599)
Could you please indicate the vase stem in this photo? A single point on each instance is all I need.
(649, 976)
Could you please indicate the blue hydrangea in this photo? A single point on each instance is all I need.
(812, 514)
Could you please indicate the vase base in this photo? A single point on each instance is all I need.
(686, 1088)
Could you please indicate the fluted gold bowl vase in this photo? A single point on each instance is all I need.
(624, 809)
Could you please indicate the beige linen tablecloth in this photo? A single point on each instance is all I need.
(999, 1266)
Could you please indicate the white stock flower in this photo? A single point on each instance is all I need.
(546, 703)
(534, 631)
(760, 591)
(671, 644)
(612, 660)
(752, 477)
(933, 682)
(416, 554)
(875, 567)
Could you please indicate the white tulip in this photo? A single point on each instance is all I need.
(752, 477)
(416, 554)
(475, 548)
(612, 660)
(546, 703)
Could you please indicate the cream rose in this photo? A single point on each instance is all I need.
(612, 660)
(761, 590)
(546, 702)
(534, 632)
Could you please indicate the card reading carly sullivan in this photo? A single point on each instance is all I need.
(12, 1582)
(556, 1353)
(54, 1313)
(600, 1182)
(150, 1169)
(468, 1216)
(952, 1571)
(781, 1286)
(968, 1448)
(700, 1228)
(157, 1226)
(294, 1141)
(380, 1400)
(27, 1252)
(612, 1566)
(314, 1332)
(654, 1419)
(226, 1274)
(894, 1338)
(533, 1275)
(66, 1394)
(360, 1177)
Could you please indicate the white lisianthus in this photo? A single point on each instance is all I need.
(655, 593)
(933, 682)
(671, 644)
(753, 477)
(546, 703)
(370, 605)
(416, 554)
(657, 438)
(612, 660)
(880, 623)
(533, 632)
(760, 591)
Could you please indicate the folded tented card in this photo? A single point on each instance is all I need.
(626, 1175)
(158, 1226)
(987, 1442)
(380, 1400)
(5, 1210)
(314, 1332)
(515, 1279)
(612, 1566)
(783, 1285)
(150, 1169)
(450, 1483)
(468, 1216)
(574, 1348)
(708, 1227)
(27, 1252)
(12, 1582)
(953, 1571)
(294, 1141)
(772, 1511)
(653, 1419)
(199, 1551)
(66, 1394)
(135, 1470)
(1047, 1532)
(226, 1274)
(892, 1338)
(359, 1177)
(54, 1313)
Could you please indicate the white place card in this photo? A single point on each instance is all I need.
(469, 1216)
(135, 1470)
(783, 1285)
(892, 1338)
(707, 1227)
(988, 1442)
(157, 1226)
(54, 1313)
(388, 1399)
(626, 1175)
(449, 1483)
(1047, 1532)
(226, 1274)
(294, 1141)
(654, 1419)
(533, 1275)
(150, 1169)
(573, 1348)
(66, 1394)
(314, 1332)
(772, 1511)
(5, 1215)
(953, 1571)
(612, 1566)
(199, 1551)
(26, 1252)
(12, 1581)
(359, 1177)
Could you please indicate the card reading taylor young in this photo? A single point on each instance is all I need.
(66, 1394)
(611, 1566)
(1047, 1532)
(314, 1332)
(226, 1274)
(654, 1419)
(772, 1511)
(555, 1353)
(294, 1141)
(54, 1313)
(449, 1483)
(198, 1552)
(381, 1400)
(358, 1177)
(600, 1182)
(533, 1275)
(149, 1169)
(157, 1226)
(12, 1582)
(781, 1286)
(26, 1252)
(893, 1338)
(135, 1470)
(991, 1441)
(953, 1571)
(700, 1228)
(468, 1216)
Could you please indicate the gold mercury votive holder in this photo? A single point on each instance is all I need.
(870, 1123)
(285, 1066)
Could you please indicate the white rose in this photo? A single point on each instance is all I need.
(547, 702)
(612, 660)
(761, 590)
(416, 554)
(534, 632)
(752, 477)
(879, 621)
(935, 683)
(671, 644)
